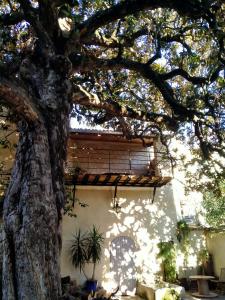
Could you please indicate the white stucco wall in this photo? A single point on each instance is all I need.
(146, 223)
(216, 246)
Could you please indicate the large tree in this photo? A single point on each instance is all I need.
(143, 66)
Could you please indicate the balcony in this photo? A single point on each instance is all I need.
(104, 160)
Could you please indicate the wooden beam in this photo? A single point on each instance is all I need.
(145, 182)
(107, 178)
(109, 137)
(156, 182)
(95, 181)
(116, 181)
(125, 182)
(137, 180)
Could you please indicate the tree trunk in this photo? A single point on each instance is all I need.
(32, 214)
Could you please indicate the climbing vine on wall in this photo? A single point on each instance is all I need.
(167, 253)
(182, 234)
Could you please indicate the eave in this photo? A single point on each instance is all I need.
(116, 180)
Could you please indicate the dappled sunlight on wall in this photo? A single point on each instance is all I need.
(122, 264)
(189, 265)
(216, 246)
(139, 219)
(147, 223)
(189, 204)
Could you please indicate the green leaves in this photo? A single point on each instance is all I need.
(79, 250)
(86, 248)
(214, 204)
(182, 231)
(94, 245)
(105, 40)
(221, 82)
(168, 255)
(171, 294)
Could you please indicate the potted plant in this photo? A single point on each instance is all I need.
(87, 248)
(78, 250)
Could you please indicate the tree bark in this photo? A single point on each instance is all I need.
(35, 197)
(32, 214)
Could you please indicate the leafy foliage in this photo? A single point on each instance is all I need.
(182, 231)
(95, 241)
(71, 200)
(154, 69)
(87, 248)
(141, 67)
(214, 204)
(171, 294)
(168, 255)
(78, 250)
(203, 258)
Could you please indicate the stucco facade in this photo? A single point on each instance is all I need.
(146, 223)
(216, 246)
(141, 220)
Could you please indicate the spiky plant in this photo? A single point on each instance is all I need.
(86, 248)
(94, 250)
(78, 250)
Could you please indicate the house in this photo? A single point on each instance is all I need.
(108, 159)
(127, 190)
(131, 197)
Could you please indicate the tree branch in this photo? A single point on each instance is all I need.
(31, 16)
(193, 79)
(128, 41)
(17, 99)
(191, 8)
(177, 38)
(82, 63)
(89, 100)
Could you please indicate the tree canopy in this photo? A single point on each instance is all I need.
(140, 66)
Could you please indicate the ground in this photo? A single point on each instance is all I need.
(188, 296)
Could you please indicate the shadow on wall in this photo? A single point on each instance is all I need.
(147, 224)
(131, 236)
(122, 264)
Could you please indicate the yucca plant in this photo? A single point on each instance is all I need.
(78, 250)
(87, 248)
(94, 250)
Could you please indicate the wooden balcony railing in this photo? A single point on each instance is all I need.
(111, 161)
(89, 166)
